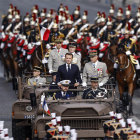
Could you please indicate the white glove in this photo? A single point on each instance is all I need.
(65, 42)
(90, 34)
(81, 33)
(101, 46)
(23, 37)
(44, 61)
(11, 34)
(134, 37)
(50, 71)
(84, 84)
(128, 52)
(33, 43)
(38, 43)
(79, 36)
(48, 46)
(132, 32)
(3, 35)
(101, 84)
(30, 46)
(2, 27)
(26, 42)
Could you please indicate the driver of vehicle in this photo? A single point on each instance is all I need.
(94, 91)
(64, 94)
(36, 79)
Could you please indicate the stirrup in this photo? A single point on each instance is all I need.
(138, 81)
(112, 79)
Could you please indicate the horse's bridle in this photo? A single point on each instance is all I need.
(125, 67)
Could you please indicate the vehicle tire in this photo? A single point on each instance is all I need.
(18, 132)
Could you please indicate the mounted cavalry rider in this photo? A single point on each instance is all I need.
(108, 35)
(76, 14)
(111, 12)
(129, 46)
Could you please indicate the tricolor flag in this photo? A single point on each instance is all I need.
(45, 107)
(44, 33)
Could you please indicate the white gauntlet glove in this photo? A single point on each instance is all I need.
(128, 52)
(84, 84)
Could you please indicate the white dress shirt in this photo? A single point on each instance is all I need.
(63, 93)
(67, 66)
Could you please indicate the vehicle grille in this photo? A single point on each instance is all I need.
(84, 123)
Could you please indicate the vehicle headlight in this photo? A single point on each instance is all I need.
(29, 108)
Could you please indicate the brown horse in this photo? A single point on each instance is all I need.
(110, 57)
(126, 77)
(83, 46)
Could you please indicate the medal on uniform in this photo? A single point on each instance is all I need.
(63, 57)
(74, 61)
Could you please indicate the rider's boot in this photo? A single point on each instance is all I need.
(130, 106)
(113, 77)
(8, 52)
(138, 75)
(27, 65)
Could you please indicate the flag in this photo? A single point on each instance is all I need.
(45, 33)
(45, 107)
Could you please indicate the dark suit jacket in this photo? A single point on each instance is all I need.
(74, 75)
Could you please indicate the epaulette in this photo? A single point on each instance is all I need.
(28, 81)
(133, 40)
(94, 27)
(54, 96)
(119, 40)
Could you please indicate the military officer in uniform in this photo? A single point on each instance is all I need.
(53, 35)
(94, 91)
(36, 77)
(76, 58)
(57, 56)
(64, 94)
(94, 67)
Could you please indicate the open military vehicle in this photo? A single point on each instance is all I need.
(85, 115)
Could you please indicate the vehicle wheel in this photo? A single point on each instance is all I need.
(18, 132)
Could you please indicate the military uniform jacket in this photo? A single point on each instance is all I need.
(95, 31)
(116, 24)
(91, 94)
(26, 30)
(136, 29)
(33, 81)
(58, 95)
(34, 36)
(108, 36)
(128, 45)
(81, 27)
(77, 60)
(72, 36)
(132, 23)
(100, 70)
(6, 25)
(56, 59)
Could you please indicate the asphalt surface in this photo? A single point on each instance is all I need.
(7, 95)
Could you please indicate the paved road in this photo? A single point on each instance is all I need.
(7, 96)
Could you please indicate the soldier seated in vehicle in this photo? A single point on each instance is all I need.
(36, 77)
(94, 91)
(64, 94)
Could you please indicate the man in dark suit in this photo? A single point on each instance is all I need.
(69, 71)
(64, 94)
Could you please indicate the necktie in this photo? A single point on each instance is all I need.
(94, 65)
(68, 69)
(58, 51)
(36, 80)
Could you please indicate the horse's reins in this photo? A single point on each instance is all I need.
(124, 69)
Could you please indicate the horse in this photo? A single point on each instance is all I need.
(126, 77)
(83, 50)
(111, 56)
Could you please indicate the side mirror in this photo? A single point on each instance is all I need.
(33, 99)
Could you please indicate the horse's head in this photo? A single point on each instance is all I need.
(113, 51)
(122, 60)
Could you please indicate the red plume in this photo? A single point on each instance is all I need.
(129, 27)
(39, 20)
(78, 8)
(27, 14)
(11, 6)
(138, 9)
(66, 7)
(57, 19)
(121, 10)
(65, 15)
(61, 13)
(18, 12)
(45, 10)
(51, 11)
(13, 12)
(34, 16)
(109, 19)
(36, 7)
(103, 14)
(15, 8)
(99, 13)
(112, 6)
(61, 4)
(86, 13)
(129, 7)
(71, 17)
